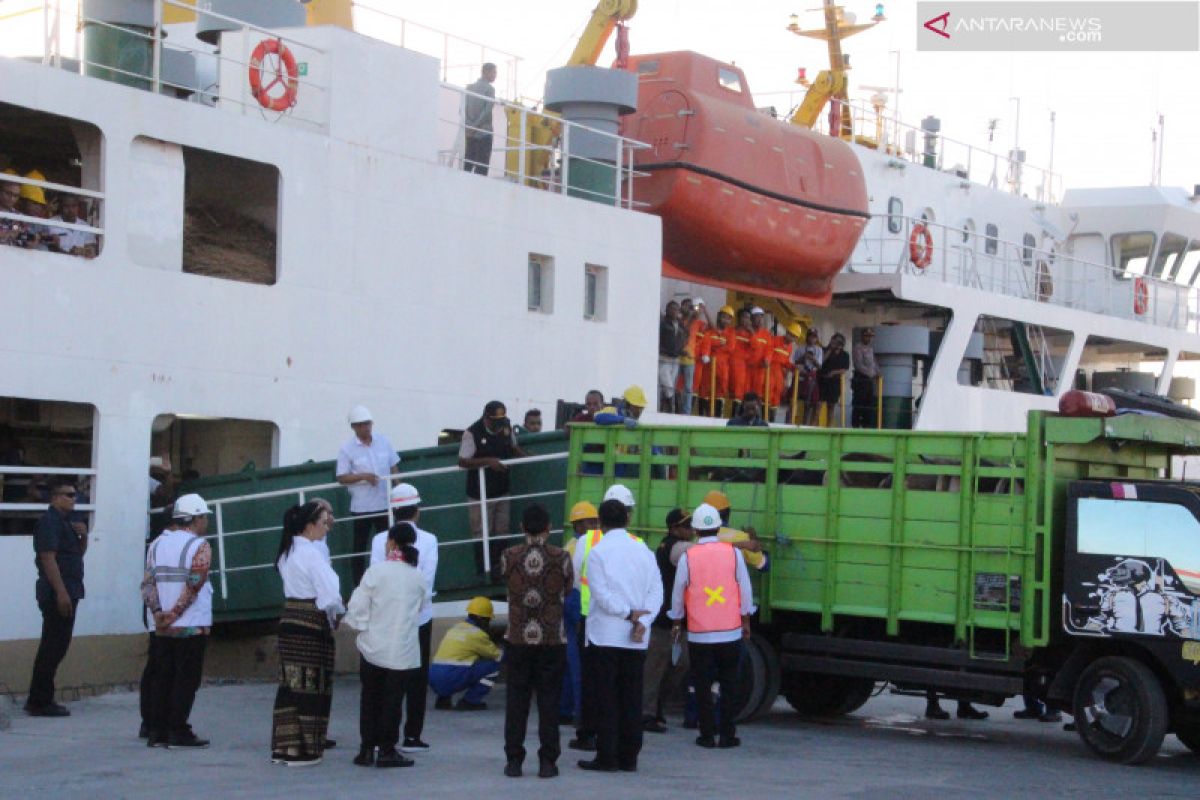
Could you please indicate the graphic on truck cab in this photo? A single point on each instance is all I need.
(1132, 595)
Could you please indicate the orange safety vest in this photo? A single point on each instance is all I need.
(712, 598)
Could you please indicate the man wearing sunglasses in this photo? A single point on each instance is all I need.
(487, 444)
(59, 546)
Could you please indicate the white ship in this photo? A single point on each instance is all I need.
(280, 238)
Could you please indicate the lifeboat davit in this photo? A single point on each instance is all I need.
(748, 202)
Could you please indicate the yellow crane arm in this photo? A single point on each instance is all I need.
(595, 35)
(827, 86)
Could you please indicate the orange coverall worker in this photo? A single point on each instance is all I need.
(714, 345)
(739, 356)
(781, 362)
(761, 344)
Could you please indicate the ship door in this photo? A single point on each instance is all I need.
(663, 125)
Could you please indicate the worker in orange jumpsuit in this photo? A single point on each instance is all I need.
(695, 319)
(714, 354)
(781, 362)
(740, 354)
(759, 360)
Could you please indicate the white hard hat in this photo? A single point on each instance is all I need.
(359, 414)
(405, 494)
(756, 311)
(705, 518)
(190, 505)
(619, 492)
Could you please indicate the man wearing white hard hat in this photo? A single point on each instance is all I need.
(620, 492)
(713, 593)
(363, 465)
(406, 507)
(181, 600)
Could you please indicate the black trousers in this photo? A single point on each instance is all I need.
(619, 674)
(863, 402)
(418, 687)
(56, 639)
(178, 667)
(721, 658)
(586, 725)
(146, 685)
(533, 670)
(380, 705)
(477, 155)
(365, 528)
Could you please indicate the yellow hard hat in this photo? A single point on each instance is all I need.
(582, 510)
(727, 310)
(634, 396)
(795, 330)
(34, 193)
(480, 607)
(717, 500)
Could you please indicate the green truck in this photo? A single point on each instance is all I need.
(1063, 562)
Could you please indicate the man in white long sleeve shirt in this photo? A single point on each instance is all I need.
(712, 591)
(626, 594)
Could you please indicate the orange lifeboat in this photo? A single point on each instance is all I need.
(748, 202)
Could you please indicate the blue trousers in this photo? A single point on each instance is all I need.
(568, 704)
(477, 679)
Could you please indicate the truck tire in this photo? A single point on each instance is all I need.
(1120, 710)
(1190, 736)
(759, 679)
(826, 695)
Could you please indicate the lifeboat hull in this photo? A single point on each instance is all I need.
(748, 202)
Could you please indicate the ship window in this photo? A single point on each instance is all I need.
(1169, 256)
(1028, 243)
(648, 67)
(1187, 272)
(42, 441)
(895, 220)
(729, 79)
(1108, 363)
(1015, 356)
(541, 283)
(991, 239)
(51, 151)
(1131, 252)
(595, 293)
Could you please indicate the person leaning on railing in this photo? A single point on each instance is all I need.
(478, 121)
(487, 444)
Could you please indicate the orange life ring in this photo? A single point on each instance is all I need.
(1141, 296)
(286, 75)
(920, 246)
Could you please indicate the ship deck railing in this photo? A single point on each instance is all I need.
(974, 260)
(95, 211)
(221, 531)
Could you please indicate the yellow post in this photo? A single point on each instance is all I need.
(879, 402)
(843, 419)
(712, 388)
(822, 414)
(767, 395)
(795, 395)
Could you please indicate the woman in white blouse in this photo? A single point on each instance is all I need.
(312, 608)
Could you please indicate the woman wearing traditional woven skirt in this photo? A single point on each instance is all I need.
(311, 612)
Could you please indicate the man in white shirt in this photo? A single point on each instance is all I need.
(712, 591)
(71, 241)
(626, 594)
(406, 502)
(363, 465)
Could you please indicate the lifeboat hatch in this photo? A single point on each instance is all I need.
(663, 124)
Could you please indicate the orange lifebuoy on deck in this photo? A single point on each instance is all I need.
(1141, 296)
(920, 246)
(286, 74)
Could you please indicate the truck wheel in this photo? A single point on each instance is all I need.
(1120, 710)
(758, 680)
(1190, 736)
(826, 695)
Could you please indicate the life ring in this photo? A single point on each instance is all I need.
(920, 246)
(1141, 296)
(286, 74)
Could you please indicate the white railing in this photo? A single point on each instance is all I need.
(1044, 276)
(218, 533)
(31, 473)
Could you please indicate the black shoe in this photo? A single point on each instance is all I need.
(443, 703)
(51, 710)
(156, 740)
(968, 711)
(329, 744)
(390, 758)
(706, 741)
(466, 705)
(365, 757)
(585, 743)
(413, 744)
(1051, 716)
(595, 765)
(513, 769)
(936, 712)
(1027, 713)
(144, 731)
(652, 725)
(729, 741)
(547, 769)
(186, 741)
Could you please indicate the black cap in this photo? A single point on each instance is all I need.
(677, 516)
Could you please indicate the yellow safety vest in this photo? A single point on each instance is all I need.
(590, 540)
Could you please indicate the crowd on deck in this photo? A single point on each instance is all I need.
(31, 200)
(710, 369)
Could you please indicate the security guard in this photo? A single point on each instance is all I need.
(467, 659)
(712, 593)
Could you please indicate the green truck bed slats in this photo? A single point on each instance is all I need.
(902, 526)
